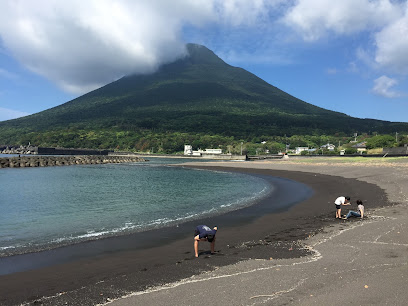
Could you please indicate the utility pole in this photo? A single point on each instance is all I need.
(396, 136)
(241, 147)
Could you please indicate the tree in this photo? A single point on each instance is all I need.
(276, 147)
(380, 141)
(350, 151)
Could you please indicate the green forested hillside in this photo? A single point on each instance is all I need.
(195, 97)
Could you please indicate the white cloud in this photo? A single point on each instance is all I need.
(392, 46)
(244, 12)
(383, 87)
(7, 114)
(85, 44)
(332, 71)
(352, 67)
(380, 25)
(314, 19)
(81, 45)
(7, 74)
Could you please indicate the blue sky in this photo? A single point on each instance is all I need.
(349, 56)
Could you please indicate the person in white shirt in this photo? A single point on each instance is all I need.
(359, 213)
(341, 201)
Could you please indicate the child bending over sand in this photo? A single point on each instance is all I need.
(204, 233)
(341, 201)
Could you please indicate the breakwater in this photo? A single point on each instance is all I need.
(47, 161)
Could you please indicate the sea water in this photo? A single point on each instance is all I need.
(43, 208)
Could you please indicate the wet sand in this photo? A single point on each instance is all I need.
(262, 239)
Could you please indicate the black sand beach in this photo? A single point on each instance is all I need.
(110, 274)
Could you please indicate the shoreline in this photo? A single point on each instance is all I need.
(279, 189)
(111, 276)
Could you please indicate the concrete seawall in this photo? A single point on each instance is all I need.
(46, 161)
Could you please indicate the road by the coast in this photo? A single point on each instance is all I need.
(354, 262)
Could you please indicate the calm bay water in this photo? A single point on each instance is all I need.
(41, 208)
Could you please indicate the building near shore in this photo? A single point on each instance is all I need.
(328, 146)
(188, 150)
(299, 150)
(360, 147)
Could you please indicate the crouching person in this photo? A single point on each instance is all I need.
(204, 233)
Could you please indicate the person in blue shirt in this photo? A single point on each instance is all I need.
(204, 233)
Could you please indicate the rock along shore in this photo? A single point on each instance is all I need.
(46, 161)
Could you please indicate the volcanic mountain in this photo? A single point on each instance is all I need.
(197, 94)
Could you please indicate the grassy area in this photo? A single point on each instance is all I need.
(375, 151)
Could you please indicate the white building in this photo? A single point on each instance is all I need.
(299, 150)
(212, 151)
(188, 150)
(328, 146)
